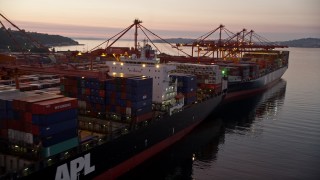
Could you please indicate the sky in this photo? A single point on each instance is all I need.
(275, 20)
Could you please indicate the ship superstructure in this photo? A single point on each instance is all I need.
(147, 65)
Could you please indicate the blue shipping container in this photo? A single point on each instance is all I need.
(53, 118)
(140, 104)
(58, 127)
(58, 138)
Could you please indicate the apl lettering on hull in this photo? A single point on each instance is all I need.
(76, 166)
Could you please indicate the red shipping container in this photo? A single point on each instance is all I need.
(128, 103)
(113, 95)
(102, 93)
(98, 107)
(4, 133)
(66, 88)
(24, 103)
(27, 116)
(74, 90)
(16, 125)
(123, 88)
(87, 91)
(55, 105)
(123, 110)
(108, 108)
(142, 117)
(123, 95)
(93, 114)
(27, 127)
(190, 94)
(118, 109)
(35, 130)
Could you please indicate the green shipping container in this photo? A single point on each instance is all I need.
(60, 147)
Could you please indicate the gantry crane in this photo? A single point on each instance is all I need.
(233, 45)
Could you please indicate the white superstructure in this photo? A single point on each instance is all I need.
(148, 65)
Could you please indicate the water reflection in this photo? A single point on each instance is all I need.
(194, 156)
(241, 115)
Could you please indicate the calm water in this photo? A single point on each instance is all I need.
(274, 135)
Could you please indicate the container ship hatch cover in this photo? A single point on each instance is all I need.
(105, 128)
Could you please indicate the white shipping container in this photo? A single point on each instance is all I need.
(18, 136)
(10, 134)
(128, 111)
(28, 138)
(82, 104)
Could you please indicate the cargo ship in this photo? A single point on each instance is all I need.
(254, 72)
(101, 129)
(251, 65)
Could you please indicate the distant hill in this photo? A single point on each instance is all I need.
(45, 39)
(306, 42)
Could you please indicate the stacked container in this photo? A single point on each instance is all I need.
(208, 76)
(126, 99)
(34, 82)
(187, 85)
(93, 93)
(69, 86)
(46, 121)
(129, 98)
(6, 110)
(89, 91)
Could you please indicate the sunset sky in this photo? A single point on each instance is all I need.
(273, 19)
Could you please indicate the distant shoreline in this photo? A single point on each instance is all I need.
(301, 43)
(67, 45)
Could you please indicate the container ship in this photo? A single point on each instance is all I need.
(250, 62)
(100, 128)
(102, 123)
(254, 72)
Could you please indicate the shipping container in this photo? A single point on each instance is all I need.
(140, 104)
(140, 111)
(54, 128)
(59, 137)
(15, 124)
(142, 117)
(24, 103)
(139, 81)
(60, 147)
(4, 133)
(54, 105)
(40, 119)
